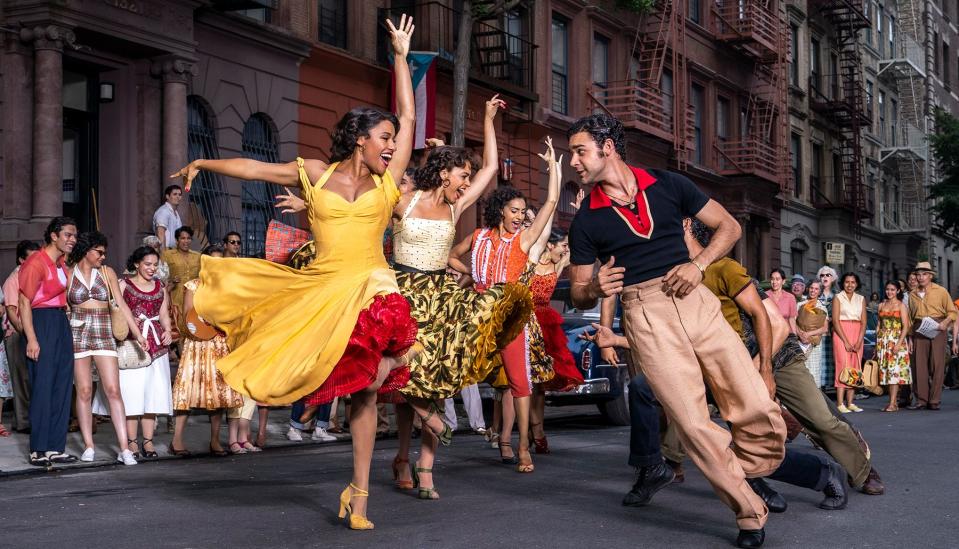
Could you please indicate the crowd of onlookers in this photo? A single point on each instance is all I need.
(905, 328)
(83, 343)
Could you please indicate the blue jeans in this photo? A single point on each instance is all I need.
(322, 417)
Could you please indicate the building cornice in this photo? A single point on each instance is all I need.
(264, 34)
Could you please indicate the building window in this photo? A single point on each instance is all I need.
(795, 146)
(331, 22)
(666, 83)
(815, 68)
(868, 31)
(560, 55)
(945, 64)
(722, 127)
(212, 202)
(880, 44)
(892, 36)
(882, 116)
(794, 55)
(834, 76)
(259, 143)
(935, 54)
(600, 60)
(696, 11)
(894, 122)
(698, 101)
(263, 15)
(870, 90)
(815, 174)
(796, 255)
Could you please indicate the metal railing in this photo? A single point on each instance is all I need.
(903, 217)
(497, 55)
(749, 156)
(906, 52)
(906, 138)
(645, 108)
(747, 21)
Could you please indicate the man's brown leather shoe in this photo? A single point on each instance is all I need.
(677, 470)
(933, 406)
(873, 485)
(916, 406)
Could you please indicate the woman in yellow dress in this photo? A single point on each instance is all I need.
(338, 324)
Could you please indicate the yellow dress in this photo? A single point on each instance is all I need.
(288, 328)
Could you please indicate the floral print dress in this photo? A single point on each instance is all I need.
(893, 364)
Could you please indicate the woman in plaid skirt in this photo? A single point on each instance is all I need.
(88, 294)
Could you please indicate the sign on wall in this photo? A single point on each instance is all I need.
(835, 253)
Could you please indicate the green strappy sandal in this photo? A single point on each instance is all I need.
(423, 493)
(446, 437)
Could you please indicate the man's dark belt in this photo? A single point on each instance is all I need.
(399, 267)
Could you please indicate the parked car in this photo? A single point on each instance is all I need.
(605, 385)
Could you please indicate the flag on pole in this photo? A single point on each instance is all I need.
(423, 72)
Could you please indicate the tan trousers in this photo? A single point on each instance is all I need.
(682, 344)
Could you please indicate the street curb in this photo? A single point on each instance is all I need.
(80, 465)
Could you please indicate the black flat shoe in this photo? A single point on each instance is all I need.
(773, 500)
(751, 538)
(835, 490)
(62, 458)
(649, 480)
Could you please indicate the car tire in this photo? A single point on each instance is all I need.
(616, 412)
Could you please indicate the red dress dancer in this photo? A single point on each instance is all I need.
(566, 374)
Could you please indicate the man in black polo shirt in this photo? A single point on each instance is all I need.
(632, 222)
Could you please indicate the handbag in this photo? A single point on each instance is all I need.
(197, 328)
(870, 377)
(282, 240)
(118, 321)
(851, 377)
(130, 356)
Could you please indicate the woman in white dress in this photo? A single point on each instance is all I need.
(147, 392)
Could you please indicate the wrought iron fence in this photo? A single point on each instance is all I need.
(210, 205)
(260, 143)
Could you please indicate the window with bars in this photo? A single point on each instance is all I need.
(794, 54)
(698, 101)
(795, 145)
(212, 209)
(560, 64)
(260, 143)
(331, 22)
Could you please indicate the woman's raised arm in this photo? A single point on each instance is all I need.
(490, 168)
(400, 38)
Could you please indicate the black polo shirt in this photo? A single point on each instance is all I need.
(647, 239)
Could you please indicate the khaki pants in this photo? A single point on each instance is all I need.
(682, 344)
(929, 368)
(798, 392)
(16, 349)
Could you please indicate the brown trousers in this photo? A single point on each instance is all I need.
(929, 368)
(682, 344)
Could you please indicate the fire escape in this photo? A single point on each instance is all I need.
(657, 89)
(906, 152)
(758, 29)
(846, 109)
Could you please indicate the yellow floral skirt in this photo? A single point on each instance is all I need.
(198, 383)
(461, 330)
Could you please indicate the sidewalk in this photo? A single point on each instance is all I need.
(15, 448)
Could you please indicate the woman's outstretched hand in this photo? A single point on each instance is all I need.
(188, 173)
(290, 203)
(401, 36)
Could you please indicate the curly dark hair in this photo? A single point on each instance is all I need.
(55, 226)
(702, 233)
(493, 206)
(556, 235)
(86, 242)
(428, 177)
(355, 124)
(601, 127)
(139, 255)
(24, 247)
(212, 249)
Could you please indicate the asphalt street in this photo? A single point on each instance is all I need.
(288, 498)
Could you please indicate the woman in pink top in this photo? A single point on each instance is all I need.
(786, 301)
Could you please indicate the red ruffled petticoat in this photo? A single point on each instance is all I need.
(385, 328)
(567, 374)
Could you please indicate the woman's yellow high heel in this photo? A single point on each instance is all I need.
(356, 521)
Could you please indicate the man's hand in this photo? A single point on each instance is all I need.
(608, 281)
(603, 337)
(33, 350)
(609, 356)
(766, 372)
(944, 325)
(802, 336)
(682, 279)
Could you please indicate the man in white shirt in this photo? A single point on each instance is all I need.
(166, 219)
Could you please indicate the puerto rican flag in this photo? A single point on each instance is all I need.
(423, 71)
